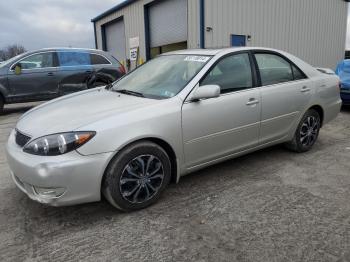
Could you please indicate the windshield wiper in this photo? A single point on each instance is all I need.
(129, 92)
(109, 86)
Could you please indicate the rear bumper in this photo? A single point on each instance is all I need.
(345, 96)
(331, 111)
(78, 177)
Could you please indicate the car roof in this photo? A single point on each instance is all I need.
(64, 49)
(68, 49)
(212, 52)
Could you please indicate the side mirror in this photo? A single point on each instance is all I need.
(205, 92)
(18, 69)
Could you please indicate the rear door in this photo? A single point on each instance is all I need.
(38, 78)
(75, 70)
(285, 93)
(105, 70)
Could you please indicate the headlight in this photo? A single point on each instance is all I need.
(58, 144)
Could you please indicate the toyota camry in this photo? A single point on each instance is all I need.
(177, 113)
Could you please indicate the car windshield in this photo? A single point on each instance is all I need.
(162, 77)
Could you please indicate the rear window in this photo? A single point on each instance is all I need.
(98, 60)
(273, 69)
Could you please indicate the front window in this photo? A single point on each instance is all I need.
(231, 73)
(37, 61)
(162, 77)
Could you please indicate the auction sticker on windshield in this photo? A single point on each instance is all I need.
(194, 58)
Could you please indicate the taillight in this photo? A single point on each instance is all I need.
(122, 69)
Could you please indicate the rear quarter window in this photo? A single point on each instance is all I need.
(298, 74)
(98, 60)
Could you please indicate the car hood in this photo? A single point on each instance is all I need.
(68, 113)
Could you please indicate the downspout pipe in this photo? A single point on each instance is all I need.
(201, 23)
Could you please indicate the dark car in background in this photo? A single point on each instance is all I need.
(48, 73)
(343, 71)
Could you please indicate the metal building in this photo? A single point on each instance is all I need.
(137, 30)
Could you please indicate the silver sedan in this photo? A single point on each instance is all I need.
(178, 113)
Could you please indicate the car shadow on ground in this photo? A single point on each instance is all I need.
(207, 182)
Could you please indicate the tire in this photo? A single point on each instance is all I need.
(137, 176)
(1, 105)
(98, 83)
(307, 132)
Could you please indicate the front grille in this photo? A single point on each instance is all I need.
(21, 139)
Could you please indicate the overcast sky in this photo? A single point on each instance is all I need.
(46, 23)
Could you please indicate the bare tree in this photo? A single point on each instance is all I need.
(11, 51)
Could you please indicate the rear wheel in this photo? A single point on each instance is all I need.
(137, 176)
(1, 105)
(307, 132)
(98, 83)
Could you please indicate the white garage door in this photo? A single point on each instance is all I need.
(168, 22)
(115, 39)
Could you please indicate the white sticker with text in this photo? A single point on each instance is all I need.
(194, 58)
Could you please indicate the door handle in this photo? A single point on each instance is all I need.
(305, 89)
(50, 74)
(252, 101)
(88, 71)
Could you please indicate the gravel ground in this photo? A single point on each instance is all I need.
(272, 205)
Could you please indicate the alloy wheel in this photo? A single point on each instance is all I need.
(309, 131)
(141, 179)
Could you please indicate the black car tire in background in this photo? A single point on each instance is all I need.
(95, 81)
(1, 104)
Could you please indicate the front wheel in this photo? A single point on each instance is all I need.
(137, 176)
(307, 132)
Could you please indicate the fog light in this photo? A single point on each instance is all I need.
(52, 192)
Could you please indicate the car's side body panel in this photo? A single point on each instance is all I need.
(161, 120)
(217, 127)
(282, 104)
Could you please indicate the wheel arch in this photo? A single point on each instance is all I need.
(175, 176)
(2, 102)
(2, 97)
(3, 92)
(319, 110)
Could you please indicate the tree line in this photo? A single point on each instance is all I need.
(11, 51)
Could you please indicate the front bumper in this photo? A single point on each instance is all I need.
(80, 176)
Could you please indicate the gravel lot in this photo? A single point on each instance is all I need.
(272, 205)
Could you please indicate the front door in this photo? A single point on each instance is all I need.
(217, 127)
(38, 77)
